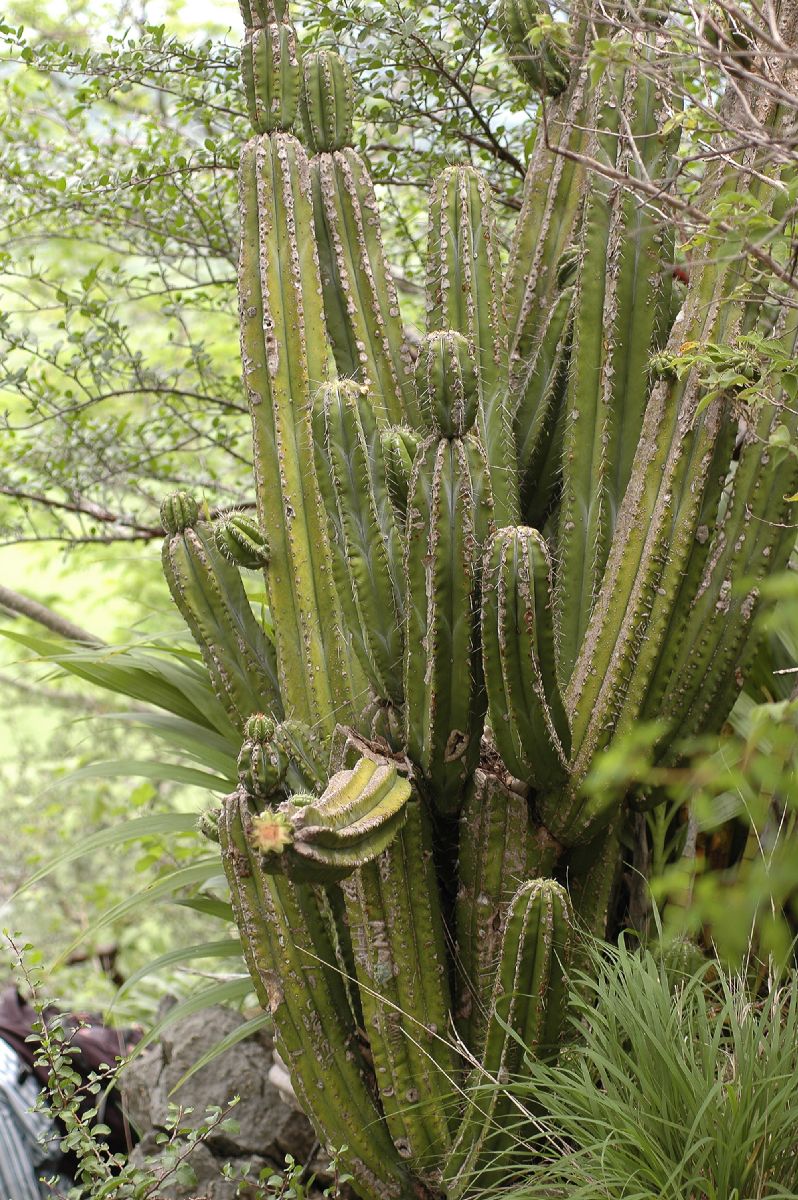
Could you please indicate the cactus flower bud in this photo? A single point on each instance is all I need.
(448, 383)
(178, 512)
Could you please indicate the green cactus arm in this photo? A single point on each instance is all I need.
(544, 64)
(754, 539)
(498, 851)
(464, 293)
(444, 706)
(284, 351)
(591, 872)
(352, 478)
(256, 13)
(399, 447)
(361, 303)
(553, 196)
(527, 1010)
(540, 412)
(208, 591)
(397, 934)
(292, 959)
(621, 306)
(328, 101)
(527, 717)
(664, 499)
(271, 73)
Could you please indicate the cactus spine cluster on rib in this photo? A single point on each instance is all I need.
(487, 554)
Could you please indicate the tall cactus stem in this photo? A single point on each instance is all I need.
(464, 294)
(284, 352)
(397, 935)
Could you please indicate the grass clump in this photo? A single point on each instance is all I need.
(680, 1085)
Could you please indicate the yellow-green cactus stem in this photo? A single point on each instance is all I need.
(284, 350)
(285, 936)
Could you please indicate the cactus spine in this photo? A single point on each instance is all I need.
(482, 569)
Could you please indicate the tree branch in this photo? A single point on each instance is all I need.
(24, 606)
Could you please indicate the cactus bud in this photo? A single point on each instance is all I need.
(271, 74)
(271, 832)
(240, 540)
(259, 728)
(261, 765)
(327, 101)
(178, 512)
(208, 824)
(399, 449)
(448, 383)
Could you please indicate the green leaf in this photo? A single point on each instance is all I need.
(130, 831)
(224, 948)
(164, 772)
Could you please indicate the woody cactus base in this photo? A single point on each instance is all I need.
(486, 560)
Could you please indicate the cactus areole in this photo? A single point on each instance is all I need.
(485, 561)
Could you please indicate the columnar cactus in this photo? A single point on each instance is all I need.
(484, 561)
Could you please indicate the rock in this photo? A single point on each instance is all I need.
(269, 1127)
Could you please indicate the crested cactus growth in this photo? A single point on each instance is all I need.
(484, 562)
